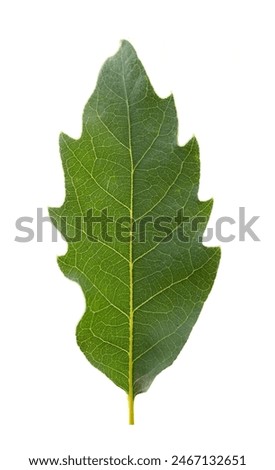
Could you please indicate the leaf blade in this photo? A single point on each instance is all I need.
(142, 298)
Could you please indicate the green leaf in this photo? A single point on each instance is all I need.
(144, 289)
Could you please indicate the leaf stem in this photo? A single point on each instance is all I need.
(131, 408)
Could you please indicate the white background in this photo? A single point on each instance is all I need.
(217, 57)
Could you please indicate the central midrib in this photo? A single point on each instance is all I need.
(131, 303)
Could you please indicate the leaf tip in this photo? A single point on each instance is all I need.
(126, 43)
(195, 142)
(126, 46)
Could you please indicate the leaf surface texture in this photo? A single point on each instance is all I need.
(143, 296)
